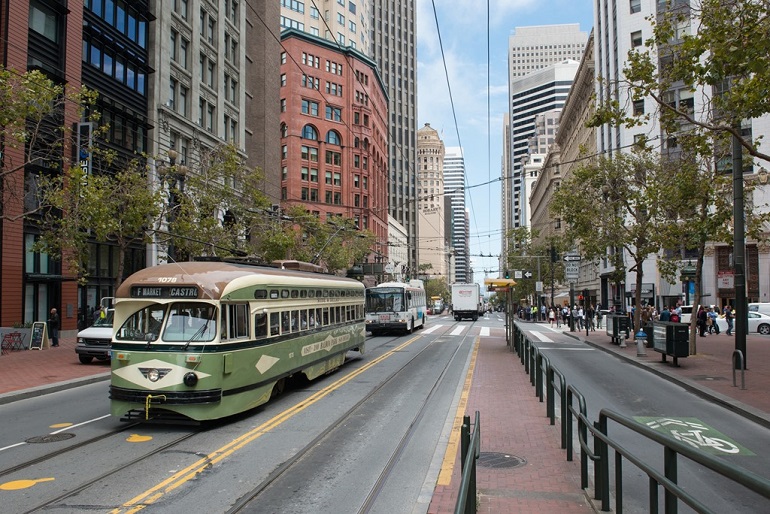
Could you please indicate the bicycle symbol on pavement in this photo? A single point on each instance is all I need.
(695, 433)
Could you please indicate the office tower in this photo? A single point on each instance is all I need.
(347, 22)
(542, 62)
(434, 243)
(333, 144)
(394, 49)
(454, 189)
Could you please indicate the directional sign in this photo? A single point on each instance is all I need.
(571, 258)
(527, 274)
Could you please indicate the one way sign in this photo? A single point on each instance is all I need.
(527, 274)
(571, 258)
(522, 274)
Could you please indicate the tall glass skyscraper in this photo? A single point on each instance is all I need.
(454, 188)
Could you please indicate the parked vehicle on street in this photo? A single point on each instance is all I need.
(95, 342)
(758, 323)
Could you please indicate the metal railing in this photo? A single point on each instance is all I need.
(470, 443)
(555, 384)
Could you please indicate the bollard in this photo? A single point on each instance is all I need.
(623, 336)
(641, 341)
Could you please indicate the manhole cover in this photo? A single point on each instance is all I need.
(499, 460)
(51, 438)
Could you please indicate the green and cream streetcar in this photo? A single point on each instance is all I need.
(205, 340)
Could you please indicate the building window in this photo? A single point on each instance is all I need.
(304, 173)
(283, 105)
(283, 80)
(333, 113)
(636, 39)
(638, 107)
(636, 6)
(333, 158)
(337, 179)
(328, 179)
(310, 153)
(313, 175)
(333, 138)
(310, 107)
(309, 132)
(44, 21)
(314, 195)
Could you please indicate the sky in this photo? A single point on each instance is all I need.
(462, 25)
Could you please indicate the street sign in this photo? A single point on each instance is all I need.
(539, 286)
(571, 271)
(517, 274)
(527, 274)
(572, 258)
(520, 273)
(390, 268)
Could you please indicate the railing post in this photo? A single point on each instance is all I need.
(670, 505)
(465, 440)
(603, 482)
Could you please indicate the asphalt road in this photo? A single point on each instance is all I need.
(384, 415)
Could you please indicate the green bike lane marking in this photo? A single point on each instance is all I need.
(695, 433)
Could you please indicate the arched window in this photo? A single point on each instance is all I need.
(355, 142)
(333, 138)
(309, 132)
(284, 130)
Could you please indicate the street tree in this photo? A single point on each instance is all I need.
(717, 52)
(116, 208)
(216, 207)
(33, 133)
(613, 209)
(297, 235)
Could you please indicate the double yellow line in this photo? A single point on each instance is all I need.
(178, 479)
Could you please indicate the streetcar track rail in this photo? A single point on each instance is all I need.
(103, 476)
(376, 489)
(62, 451)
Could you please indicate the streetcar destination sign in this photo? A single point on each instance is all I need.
(164, 292)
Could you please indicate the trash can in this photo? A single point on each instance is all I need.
(616, 325)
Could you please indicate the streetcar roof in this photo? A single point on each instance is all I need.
(392, 285)
(219, 278)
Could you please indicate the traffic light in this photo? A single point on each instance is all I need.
(507, 275)
(554, 257)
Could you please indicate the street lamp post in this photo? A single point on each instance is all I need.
(173, 176)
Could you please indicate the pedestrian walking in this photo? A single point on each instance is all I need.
(552, 315)
(53, 327)
(728, 311)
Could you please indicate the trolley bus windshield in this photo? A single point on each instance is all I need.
(184, 322)
(387, 299)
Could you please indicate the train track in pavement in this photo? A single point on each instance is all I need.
(247, 502)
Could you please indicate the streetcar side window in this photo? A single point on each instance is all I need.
(285, 323)
(235, 321)
(319, 317)
(275, 323)
(260, 324)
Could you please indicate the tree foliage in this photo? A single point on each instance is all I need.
(33, 131)
(718, 50)
(114, 208)
(219, 207)
(295, 234)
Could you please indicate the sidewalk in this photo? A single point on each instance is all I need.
(28, 373)
(522, 468)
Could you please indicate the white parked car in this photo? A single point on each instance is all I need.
(758, 323)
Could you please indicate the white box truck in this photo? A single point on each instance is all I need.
(465, 301)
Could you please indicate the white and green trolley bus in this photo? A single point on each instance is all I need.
(205, 340)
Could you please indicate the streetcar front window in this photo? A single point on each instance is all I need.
(191, 322)
(143, 325)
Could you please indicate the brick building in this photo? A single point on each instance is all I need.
(334, 146)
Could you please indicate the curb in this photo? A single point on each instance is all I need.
(747, 411)
(33, 392)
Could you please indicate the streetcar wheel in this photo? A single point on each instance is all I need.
(278, 388)
(85, 359)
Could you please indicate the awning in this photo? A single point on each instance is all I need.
(647, 290)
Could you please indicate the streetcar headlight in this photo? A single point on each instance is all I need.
(190, 379)
(153, 375)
